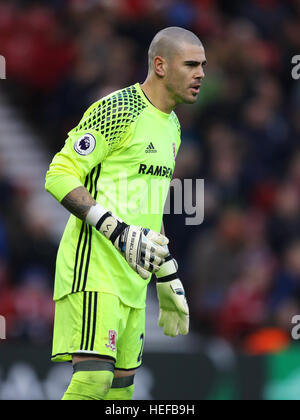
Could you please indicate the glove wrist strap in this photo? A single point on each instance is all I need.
(168, 270)
(103, 220)
(165, 279)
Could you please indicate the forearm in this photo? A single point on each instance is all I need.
(142, 248)
(78, 202)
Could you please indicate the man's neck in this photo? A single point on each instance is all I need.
(158, 95)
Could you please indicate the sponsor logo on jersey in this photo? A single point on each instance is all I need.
(151, 149)
(112, 340)
(85, 145)
(155, 170)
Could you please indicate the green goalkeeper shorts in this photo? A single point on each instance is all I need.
(96, 323)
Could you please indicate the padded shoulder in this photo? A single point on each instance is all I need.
(113, 115)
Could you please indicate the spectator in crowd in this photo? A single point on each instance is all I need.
(285, 293)
(209, 281)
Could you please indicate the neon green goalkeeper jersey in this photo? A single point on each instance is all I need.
(123, 151)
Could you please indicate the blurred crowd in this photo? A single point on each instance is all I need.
(241, 266)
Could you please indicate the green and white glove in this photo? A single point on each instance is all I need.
(173, 307)
(143, 249)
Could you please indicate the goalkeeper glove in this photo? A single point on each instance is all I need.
(174, 310)
(141, 248)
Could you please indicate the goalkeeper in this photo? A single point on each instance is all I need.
(113, 176)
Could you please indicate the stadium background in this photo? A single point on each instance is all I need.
(240, 267)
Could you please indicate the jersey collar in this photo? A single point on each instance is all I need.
(158, 111)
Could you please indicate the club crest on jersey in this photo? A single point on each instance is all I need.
(112, 340)
(174, 150)
(85, 145)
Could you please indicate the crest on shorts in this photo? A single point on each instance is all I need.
(85, 145)
(112, 340)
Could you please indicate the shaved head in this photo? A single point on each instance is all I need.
(168, 42)
(176, 68)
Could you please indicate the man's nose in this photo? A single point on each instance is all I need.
(200, 74)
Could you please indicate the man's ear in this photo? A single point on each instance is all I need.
(159, 66)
